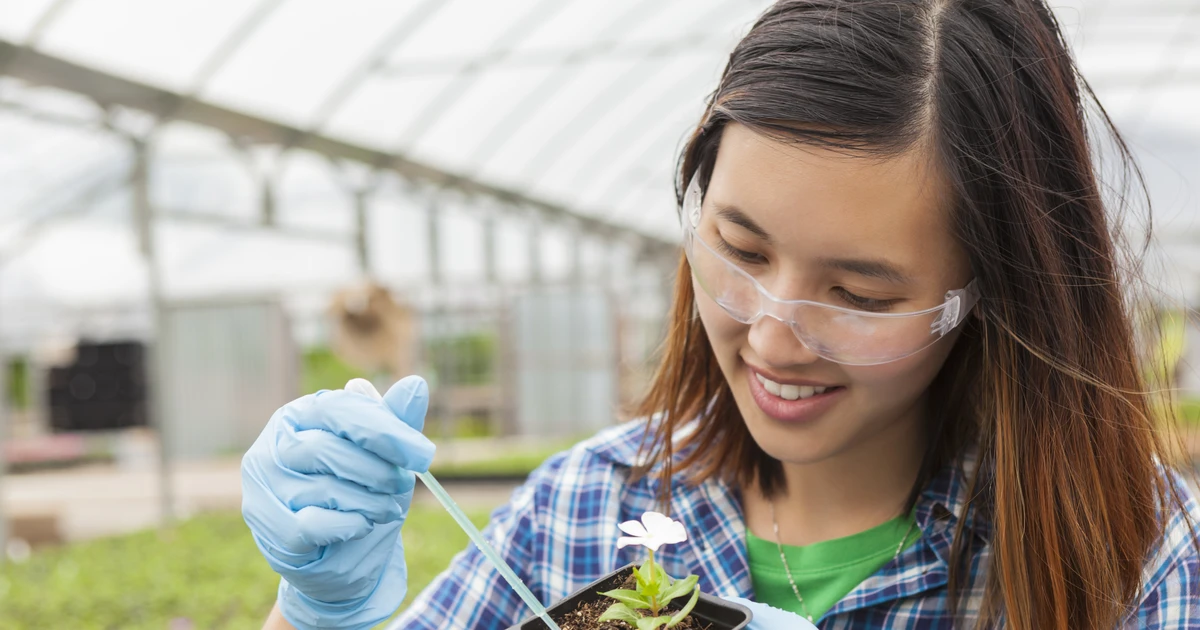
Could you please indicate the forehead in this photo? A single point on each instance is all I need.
(831, 203)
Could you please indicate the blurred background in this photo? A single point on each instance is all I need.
(210, 207)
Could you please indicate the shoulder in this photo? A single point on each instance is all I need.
(1179, 520)
(617, 447)
(589, 473)
(1171, 574)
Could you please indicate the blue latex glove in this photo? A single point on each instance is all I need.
(325, 489)
(770, 618)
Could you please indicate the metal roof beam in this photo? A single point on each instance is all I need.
(109, 90)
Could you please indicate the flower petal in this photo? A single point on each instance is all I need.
(633, 528)
(625, 541)
(674, 534)
(656, 522)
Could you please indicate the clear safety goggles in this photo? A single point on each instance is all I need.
(843, 335)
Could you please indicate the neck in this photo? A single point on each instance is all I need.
(853, 490)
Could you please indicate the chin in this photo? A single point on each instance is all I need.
(790, 444)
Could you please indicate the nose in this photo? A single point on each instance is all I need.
(776, 345)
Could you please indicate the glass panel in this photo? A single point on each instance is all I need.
(17, 18)
(164, 43)
(382, 109)
(465, 28)
(460, 129)
(522, 159)
(310, 195)
(196, 171)
(578, 25)
(678, 82)
(295, 61)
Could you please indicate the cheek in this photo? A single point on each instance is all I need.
(725, 334)
(900, 382)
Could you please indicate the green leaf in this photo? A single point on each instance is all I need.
(620, 612)
(661, 574)
(646, 573)
(628, 597)
(646, 584)
(652, 623)
(686, 610)
(678, 589)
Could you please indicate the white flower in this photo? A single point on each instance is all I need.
(654, 531)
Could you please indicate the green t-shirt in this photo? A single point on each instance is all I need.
(826, 571)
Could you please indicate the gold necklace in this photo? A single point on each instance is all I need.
(788, 570)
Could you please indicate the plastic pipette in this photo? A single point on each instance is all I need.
(365, 387)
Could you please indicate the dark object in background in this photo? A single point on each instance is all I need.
(713, 612)
(104, 389)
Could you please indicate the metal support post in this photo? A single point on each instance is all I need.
(4, 437)
(361, 231)
(156, 355)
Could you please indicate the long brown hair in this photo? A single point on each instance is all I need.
(1047, 382)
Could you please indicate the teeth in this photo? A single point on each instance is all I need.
(789, 392)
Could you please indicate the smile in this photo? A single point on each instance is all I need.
(789, 392)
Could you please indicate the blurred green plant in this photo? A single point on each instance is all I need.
(518, 461)
(468, 359)
(205, 570)
(321, 369)
(1189, 412)
(18, 383)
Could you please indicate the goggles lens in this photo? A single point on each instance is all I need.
(842, 335)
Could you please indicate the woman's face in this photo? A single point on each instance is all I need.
(791, 209)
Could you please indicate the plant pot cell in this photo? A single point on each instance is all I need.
(578, 611)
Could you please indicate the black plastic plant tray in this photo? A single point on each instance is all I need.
(714, 611)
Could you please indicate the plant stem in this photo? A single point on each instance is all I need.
(654, 577)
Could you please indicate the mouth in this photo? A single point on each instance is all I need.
(792, 402)
(788, 391)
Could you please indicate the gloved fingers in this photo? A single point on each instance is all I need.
(314, 451)
(768, 617)
(367, 423)
(298, 491)
(286, 537)
(349, 569)
(321, 527)
(408, 398)
(274, 526)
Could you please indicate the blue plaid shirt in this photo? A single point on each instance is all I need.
(559, 533)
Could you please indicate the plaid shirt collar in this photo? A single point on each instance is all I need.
(716, 551)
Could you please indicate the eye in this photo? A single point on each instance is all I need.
(739, 254)
(865, 303)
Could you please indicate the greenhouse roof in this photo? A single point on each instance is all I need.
(572, 108)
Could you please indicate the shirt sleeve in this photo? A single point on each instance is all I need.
(1172, 599)
(471, 594)
(1175, 603)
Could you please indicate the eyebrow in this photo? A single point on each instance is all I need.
(869, 267)
(734, 215)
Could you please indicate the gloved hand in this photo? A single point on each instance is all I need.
(325, 489)
(770, 618)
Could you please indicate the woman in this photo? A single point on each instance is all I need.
(900, 389)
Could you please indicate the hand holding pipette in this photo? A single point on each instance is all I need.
(366, 388)
(325, 490)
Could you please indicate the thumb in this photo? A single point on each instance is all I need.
(409, 399)
(770, 618)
